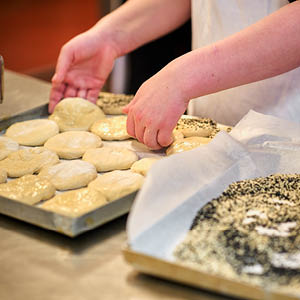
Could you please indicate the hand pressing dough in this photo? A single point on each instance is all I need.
(187, 144)
(3, 176)
(75, 203)
(28, 161)
(32, 132)
(72, 114)
(143, 165)
(110, 158)
(117, 184)
(113, 104)
(73, 144)
(111, 129)
(7, 145)
(28, 189)
(69, 175)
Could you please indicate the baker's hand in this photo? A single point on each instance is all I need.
(155, 109)
(83, 66)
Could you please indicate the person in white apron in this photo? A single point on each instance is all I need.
(218, 25)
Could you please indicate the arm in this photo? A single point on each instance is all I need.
(265, 49)
(85, 62)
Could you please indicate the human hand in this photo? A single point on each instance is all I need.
(155, 110)
(83, 66)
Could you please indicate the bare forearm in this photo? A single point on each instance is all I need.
(265, 49)
(139, 21)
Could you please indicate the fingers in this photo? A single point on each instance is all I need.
(56, 94)
(82, 93)
(131, 125)
(92, 95)
(70, 92)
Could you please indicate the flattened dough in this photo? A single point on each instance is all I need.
(187, 144)
(29, 189)
(72, 114)
(32, 132)
(7, 145)
(73, 144)
(28, 161)
(111, 129)
(113, 104)
(117, 184)
(110, 158)
(69, 175)
(143, 165)
(75, 203)
(3, 176)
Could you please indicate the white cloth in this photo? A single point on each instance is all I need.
(213, 20)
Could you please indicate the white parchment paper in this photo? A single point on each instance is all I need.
(179, 185)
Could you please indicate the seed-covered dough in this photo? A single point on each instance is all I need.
(111, 129)
(73, 144)
(28, 161)
(143, 165)
(76, 114)
(69, 174)
(29, 189)
(75, 203)
(117, 184)
(110, 158)
(7, 145)
(32, 132)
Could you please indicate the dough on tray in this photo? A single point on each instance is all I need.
(28, 189)
(186, 144)
(143, 165)
(76, 114)
(7, 145)
(117, 184)
(113, 104)
(32, 132)
(73, 144)
(110, 158)
(69, 174)
(75, 203)
(3, 176)
(28, 161)
(111, 129)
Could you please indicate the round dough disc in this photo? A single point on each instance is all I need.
(117, 184)
(7, 145)
(187, 144)
(75, 203)
(111, 129)
(29, 189)
(28, 161)
(73, 144)
(110, 158)
(69, 175)
(73, 114)
(143, 165)
(32, 132)
(3, 176)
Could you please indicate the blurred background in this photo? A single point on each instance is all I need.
(33, 31)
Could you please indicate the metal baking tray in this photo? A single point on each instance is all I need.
(66, 225)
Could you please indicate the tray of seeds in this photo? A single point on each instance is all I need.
(244, 243)
(78, 168)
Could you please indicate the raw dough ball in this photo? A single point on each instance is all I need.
(3, 176)
(76, 114)
(143, 165)
(110, 158)
(187, 144)
(28, 161)
(111, 129)
(193, 126)
(69, 174)
(73, 144)
(113, 104)
(117, 184)
(75, 203)
(29, 189)
(32, 132)
(7, 146)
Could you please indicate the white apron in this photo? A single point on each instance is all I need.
(212, 20)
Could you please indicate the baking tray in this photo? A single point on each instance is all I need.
(182, 274)
(63, 224)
